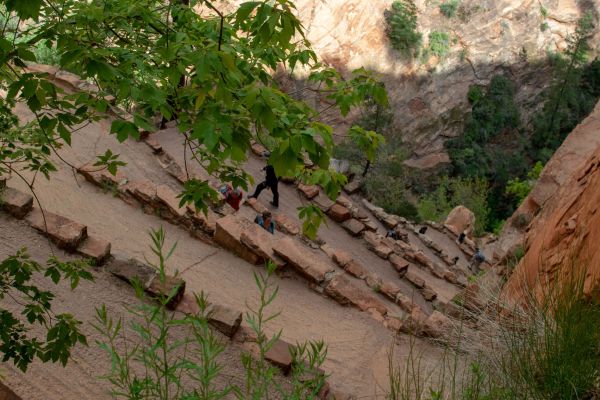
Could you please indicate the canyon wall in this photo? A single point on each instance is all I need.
(429, 96)
(561, 241)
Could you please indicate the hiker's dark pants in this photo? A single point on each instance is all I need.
(271, 185)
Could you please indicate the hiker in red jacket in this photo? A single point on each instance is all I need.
(232, 196)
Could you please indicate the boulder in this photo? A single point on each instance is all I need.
(15, 202)
(339, 213)
(228, 233)
(302, 260)
(131, 270)
(356, 269)
(354, 227)
(345, 292)
(226, 320)
(460, 219)
(96, 249)
(399, 263)
(323, 202)
(413, 278)
(285, 224)
(280, 355)
(172, 286)
(309, 191)
(437, 325)
(65, 233)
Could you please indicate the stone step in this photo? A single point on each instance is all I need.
(96, 249)
(65, 233)
(15, 202)
(131, 270)
(304, 261)
(280, 355)
(226, 320)
(169, 287)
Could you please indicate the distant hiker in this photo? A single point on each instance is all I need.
(423, 230)
(271, 181)
(392, 233)
(266, 221)
(232, 196)
(461, 237)
(477, 260)
(455, 260)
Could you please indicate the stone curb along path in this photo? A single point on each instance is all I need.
(249, 243)
(72, 237)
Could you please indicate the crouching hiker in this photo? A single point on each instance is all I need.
(232, 196)
(476, 261)
(265, 220)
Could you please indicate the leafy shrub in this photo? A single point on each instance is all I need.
(439, 44)
(401, 28)
(449, 8)
(521, 188)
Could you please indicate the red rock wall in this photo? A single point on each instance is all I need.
(563, 241)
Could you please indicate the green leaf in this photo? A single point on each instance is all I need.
(124, 129)
(25, 9)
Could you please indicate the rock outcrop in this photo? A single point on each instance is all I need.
(460, 219)
(562, 238)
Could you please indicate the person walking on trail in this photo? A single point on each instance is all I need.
(265, 220)
(477, 260)
(232, 196)
(271, 181)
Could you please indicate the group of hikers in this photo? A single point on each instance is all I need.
(476, 261)
(234, 197)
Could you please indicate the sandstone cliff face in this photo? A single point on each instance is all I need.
(428, 97)
(581, 143)
(563, 238)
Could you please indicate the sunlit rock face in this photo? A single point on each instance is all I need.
(429, 96)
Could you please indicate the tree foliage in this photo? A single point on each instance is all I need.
(402, 29)
(572, 94)
(492, 146)
(208, 69)
(61, 331)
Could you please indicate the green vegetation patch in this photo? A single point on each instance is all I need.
(401, 20)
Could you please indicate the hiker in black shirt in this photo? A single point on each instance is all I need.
(270, 182)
